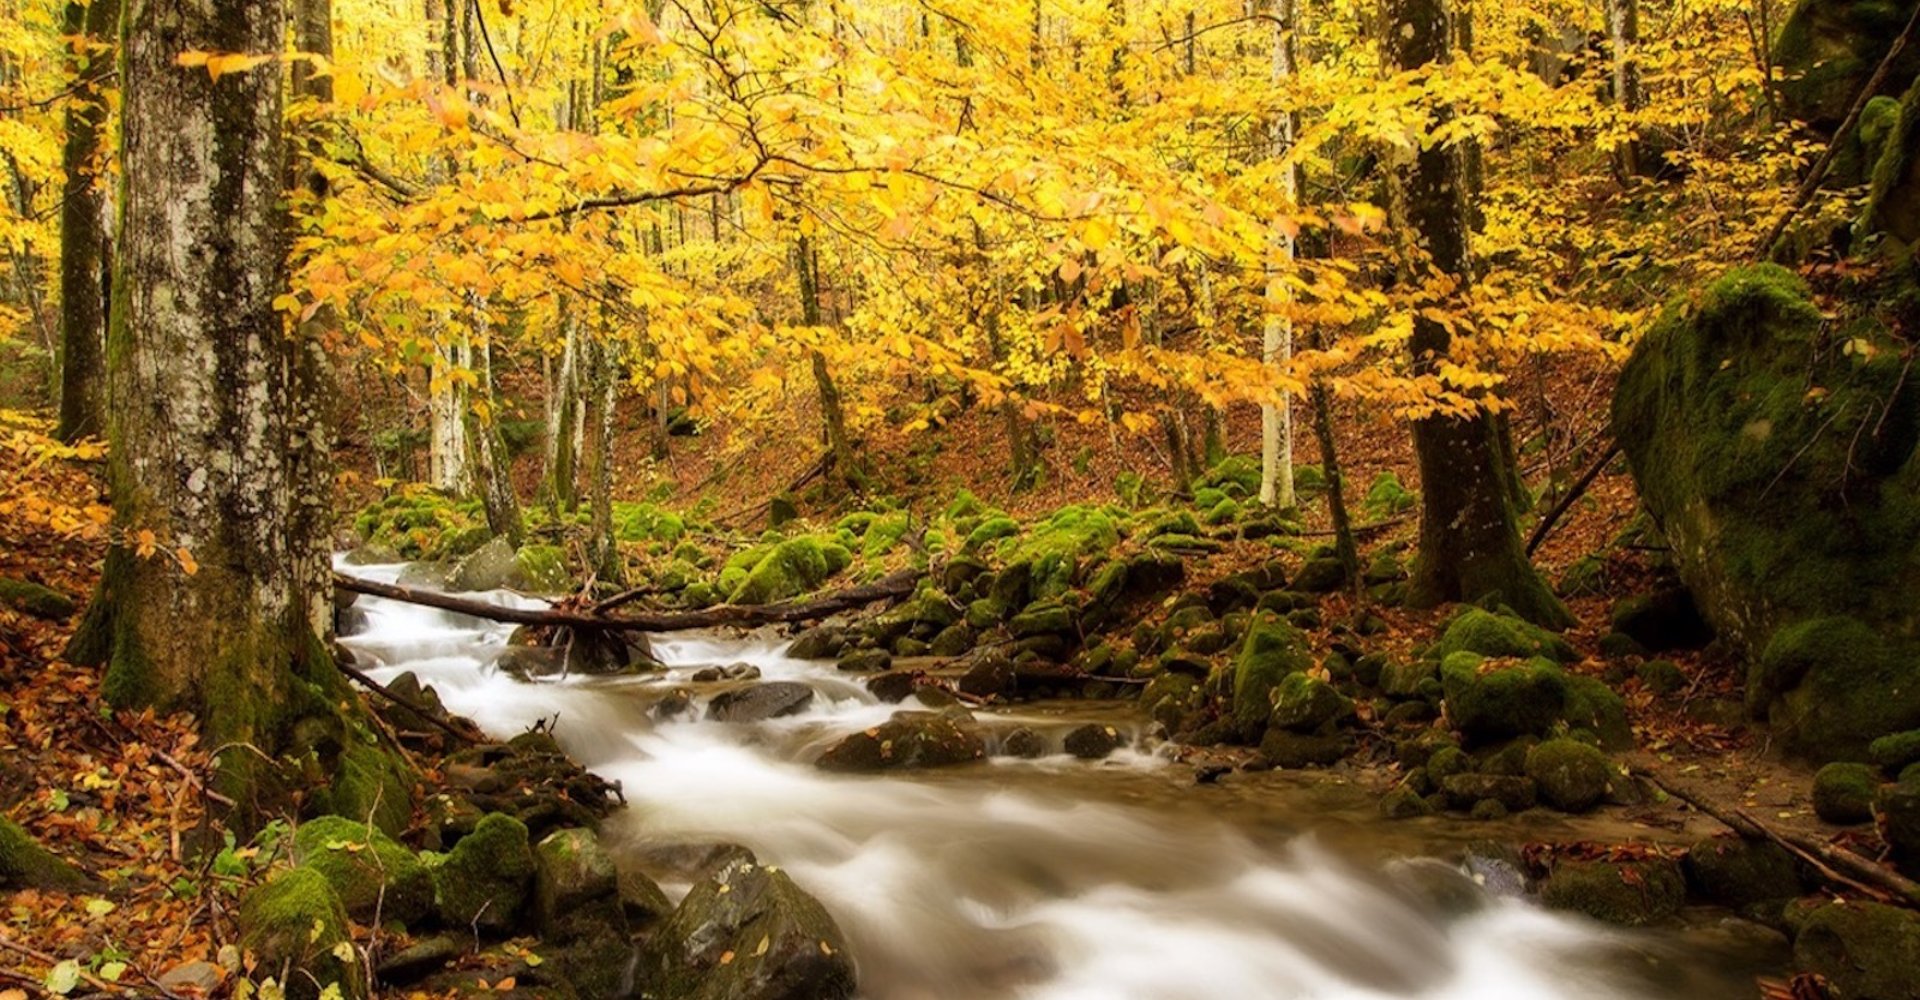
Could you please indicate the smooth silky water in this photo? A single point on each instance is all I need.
(1055, 878)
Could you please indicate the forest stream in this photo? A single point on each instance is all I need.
(1057, 878)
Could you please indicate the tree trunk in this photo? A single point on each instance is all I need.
(1623, 31)
(846, 462)
(204, 425)
(492, 472)
(1469, 542)
(1276, 349)
(603, 551)
(85, 223)
(563, 422)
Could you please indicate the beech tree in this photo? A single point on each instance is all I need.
(215, 597)
(85, 223)
(1470, 546)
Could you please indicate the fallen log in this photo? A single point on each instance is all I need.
(1837, 864)
(893, 586)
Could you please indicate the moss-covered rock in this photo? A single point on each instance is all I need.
(1515, 793)
(1782, 472)
(1504, 702)
(1629, 893)
(370, 872)
(1388, 497)
(1893, 201)
(906, 741)
(483, 881)
(294, 921)
(1826, 52)
(1573, 777)
(24, 864)
(36, 600)
(571, 870)
(1288, 750)
(1866, 951)
(368, 781)
(1476, 630)
(747, 932)
(1403, 678)
(1272, 650)
(1661, 677)
(1593, 708)
(1664, 619)
(791, 568)
(1305, 704)
(1843, 792)
(1745, 875)
(1320, 575)
(1895, 752)
(1054, 548)
(1899, 807)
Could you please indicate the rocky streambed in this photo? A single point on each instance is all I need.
(1059, 852)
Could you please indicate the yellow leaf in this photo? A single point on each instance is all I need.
(187, 563)
(144, 543)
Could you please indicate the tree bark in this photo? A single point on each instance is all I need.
(203, 429)
(563, 421)
(602, 391)
(85, 225)
(1276, 348)
(488, 456)
(1623, 30)
(1469, 540)
(832, 413)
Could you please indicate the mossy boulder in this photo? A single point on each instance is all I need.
(24, 864)
(1899, 807)
(791, 568)
(483, 881)
(1843, 792)
(1289, 750)
(1388, 497)
(36, 600)
(1744, 875)
(1488, 633)
(1054, 549)
(1661, 677)
(1272, 650)
(1573, 776)
(1781, 470)
(1404, 678)
(580, 912)
(1628, 893)
(1826, 51)
(1893, 201)
(1490, 705)
(1305, 704)
(370, 872)
(1866, 951)
(1895, 752)
(747, 932)
(368, 781)
(1515, 793)
(295, 921)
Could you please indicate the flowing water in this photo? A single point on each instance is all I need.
(1055, 878)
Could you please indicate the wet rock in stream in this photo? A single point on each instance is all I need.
(760, 702)
(747, 932)
(908, 740)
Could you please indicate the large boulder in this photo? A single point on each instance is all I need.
(747, 932)
(1573, 777)
(1828, 49)
(1487, 633)
(1781, 469)
(1893, 202)
(1866, 951)
(24, 864)
(1304, 704)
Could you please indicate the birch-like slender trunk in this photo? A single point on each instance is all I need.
(1623, 31)
(1276, 347)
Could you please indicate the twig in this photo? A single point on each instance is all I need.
(49, 961)
(1578, 490)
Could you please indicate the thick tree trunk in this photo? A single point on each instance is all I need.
(1469, 542)
(447, 405)
(85, 226)
(205, 421)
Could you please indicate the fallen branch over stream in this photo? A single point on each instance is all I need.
(891, 587)
(1835, 863)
